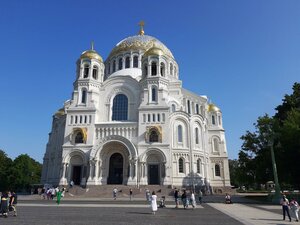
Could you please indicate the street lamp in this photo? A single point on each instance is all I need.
(277, 195)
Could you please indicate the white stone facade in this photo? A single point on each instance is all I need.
(130, 122)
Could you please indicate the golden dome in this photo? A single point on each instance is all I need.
(91, 54)
(153, 51)
(60, 112)
(139, 42)
(213, 108)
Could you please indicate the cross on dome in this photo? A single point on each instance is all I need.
(141, 24)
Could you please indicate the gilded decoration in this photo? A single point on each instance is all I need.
(140, 42)
(213, 108)
(151, 132)
(83, 132)
(91, 54)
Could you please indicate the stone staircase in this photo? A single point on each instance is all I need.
(106, 191)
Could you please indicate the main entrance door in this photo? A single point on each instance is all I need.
(115, 169)
(153, 174)
(76, 175)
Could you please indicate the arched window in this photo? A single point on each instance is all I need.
(127, 62)
(213, 120)
(179, 133)
(79, 137)
(198, 165)
(135, 61)
(162, 69)
(153, 136)
(95, 72)
(216, 145)
(120, 107)
(153, 94)
(171, 69)
(196, 135)
(197, 109)
(217, 170)
(114, 66)
(153, 69)
(158, 117)
(175, 71)
(189, 106)
(145, 70)
(108, 68)
(120, 65)
(86, 71)
(83, 96)
(173, 108)
(180, 165)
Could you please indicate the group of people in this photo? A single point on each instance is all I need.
(52, 192)
(286, 205)
(9, 200)
(187, 198)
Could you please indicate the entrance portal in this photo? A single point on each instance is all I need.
(76, 175)
(153, 172)
(115, 169)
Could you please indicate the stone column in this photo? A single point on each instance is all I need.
(91, 177)
(131, 60)
(96, 175)
(132, 180)
(63, 180)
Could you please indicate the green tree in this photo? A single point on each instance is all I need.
(283, 131)
(5, 164)
(24, 172)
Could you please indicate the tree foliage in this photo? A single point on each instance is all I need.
(254, 165)
(18, 174)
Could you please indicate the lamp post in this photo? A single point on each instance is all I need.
(277, 195)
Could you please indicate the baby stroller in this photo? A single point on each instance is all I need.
(162, 203)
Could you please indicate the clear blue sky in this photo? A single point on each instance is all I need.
(244, 55)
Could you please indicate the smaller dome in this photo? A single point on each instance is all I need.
(91, 54)
(60, 112)
(213, 108)
(154, 51)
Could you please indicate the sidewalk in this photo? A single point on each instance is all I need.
(250, 215)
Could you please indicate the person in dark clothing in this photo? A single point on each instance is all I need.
(176, 196)
(13, 200)
(285, 207)
(184, 199)
(4, 204)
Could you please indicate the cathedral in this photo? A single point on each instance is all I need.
(130, 122)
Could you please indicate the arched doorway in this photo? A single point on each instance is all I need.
(76, 162)
(154, 170)
(115, 169)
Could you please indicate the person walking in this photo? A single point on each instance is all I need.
(130, 194)
(4, 205)
(285, 207)
(295, 208)
(13, 200)
(200, 196)
(148, 197)
(176, 196)
(184, 199)
(58, 196)
(115, 190)
(193, 199)
(154, 202)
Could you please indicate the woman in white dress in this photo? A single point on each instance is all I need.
(153, 202)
